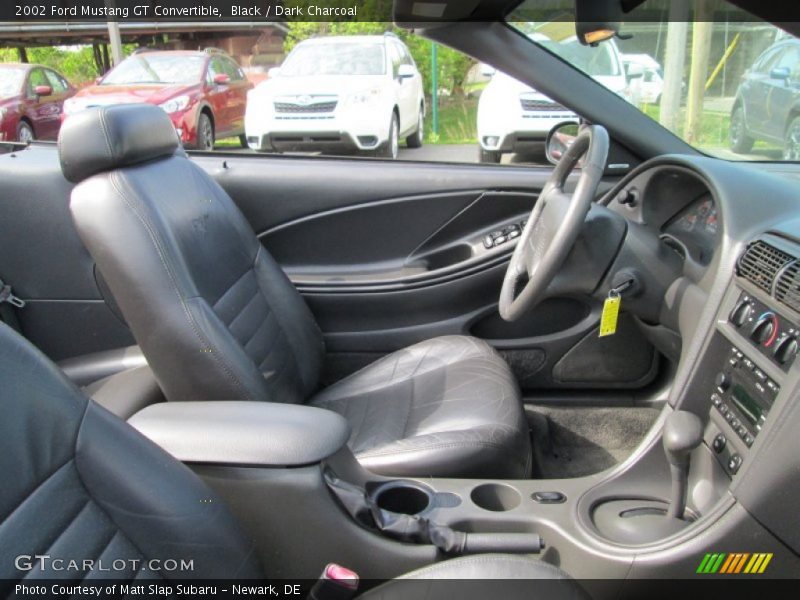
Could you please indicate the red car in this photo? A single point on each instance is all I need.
(204, 92)
(31, 101)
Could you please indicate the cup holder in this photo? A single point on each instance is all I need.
(496, 497)
(403, 497)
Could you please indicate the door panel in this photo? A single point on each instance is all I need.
(386, 254)
(392, 255)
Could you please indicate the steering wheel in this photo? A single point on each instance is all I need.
(554, 224)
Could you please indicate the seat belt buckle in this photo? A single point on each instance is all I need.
(6, 295)
(335, 583)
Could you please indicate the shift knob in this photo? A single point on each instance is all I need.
(683, 432)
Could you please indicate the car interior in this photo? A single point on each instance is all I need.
(272, 363)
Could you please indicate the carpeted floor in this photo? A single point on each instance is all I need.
(578, 441)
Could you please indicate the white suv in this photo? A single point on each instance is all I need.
(343, 95)
(513, 117)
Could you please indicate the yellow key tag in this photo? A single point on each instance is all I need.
(610, 316)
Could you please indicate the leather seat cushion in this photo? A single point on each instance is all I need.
(127, 392)
(446, 407)
(483, 576)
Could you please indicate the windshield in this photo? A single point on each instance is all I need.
(335, 59)
(602, 61)
(11, 81)
(156, 69)
(723, 81)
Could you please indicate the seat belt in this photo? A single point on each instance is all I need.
(8, 302)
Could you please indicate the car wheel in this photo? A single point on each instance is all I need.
(243, 141)
(392, 146)
(205, 133)
(415, 139)
(741, 143)
(489, 156)
(791, 145)
(25, 132)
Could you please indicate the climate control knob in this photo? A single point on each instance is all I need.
(763, 329)
(786, 350)
(740, 313)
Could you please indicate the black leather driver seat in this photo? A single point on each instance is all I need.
(81, 485)
(217, 319)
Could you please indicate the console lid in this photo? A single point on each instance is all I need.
(243, 433)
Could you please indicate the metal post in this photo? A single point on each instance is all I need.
(116, 42)
(114, 36)
(434, 90)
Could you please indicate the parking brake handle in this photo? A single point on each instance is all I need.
(522, 543)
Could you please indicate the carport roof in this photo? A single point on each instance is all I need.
(61, 33)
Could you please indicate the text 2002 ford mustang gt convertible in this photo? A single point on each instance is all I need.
(239, 366)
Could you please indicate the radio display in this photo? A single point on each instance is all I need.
(746, 404)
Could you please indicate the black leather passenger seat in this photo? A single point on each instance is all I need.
(217, 319)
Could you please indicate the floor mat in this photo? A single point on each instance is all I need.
(573, 442)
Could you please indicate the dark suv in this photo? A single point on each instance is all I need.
(767, 105)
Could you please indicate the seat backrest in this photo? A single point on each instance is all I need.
(81, 485)
(214, 314)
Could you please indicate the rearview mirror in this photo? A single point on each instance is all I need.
(487, 70)
(221, 79)
(43, 90)
(406, 71)
(560, 139)
(596, 20)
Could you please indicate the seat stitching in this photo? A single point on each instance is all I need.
(187, 313)
(231, 287)
(238, 316)
(35, 489)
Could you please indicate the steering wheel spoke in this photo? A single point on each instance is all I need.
(554, 224)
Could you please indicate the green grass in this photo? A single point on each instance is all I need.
(231, 142)
(714, 130)
(458, 122)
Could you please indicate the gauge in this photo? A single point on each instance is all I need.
(696, 228)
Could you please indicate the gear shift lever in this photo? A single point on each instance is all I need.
(683, 432)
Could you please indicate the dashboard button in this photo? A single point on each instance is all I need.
(488, 241)
(748, 440)
(734, 463)
(723, 381)
(719, 443)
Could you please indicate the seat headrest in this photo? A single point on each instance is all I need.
(110, 137)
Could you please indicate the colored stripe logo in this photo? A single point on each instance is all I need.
(734, 563)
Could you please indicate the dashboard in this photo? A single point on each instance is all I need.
(696, 228)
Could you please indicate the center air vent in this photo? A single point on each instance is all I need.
(761, 263)
(787, 290)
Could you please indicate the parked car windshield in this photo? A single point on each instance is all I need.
(723, 81)
(11, 81)
(156, 69)
(335, 59)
